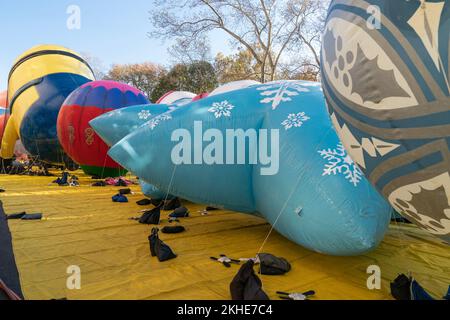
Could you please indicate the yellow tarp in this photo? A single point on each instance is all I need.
(83, 227)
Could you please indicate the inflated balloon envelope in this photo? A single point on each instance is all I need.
(38, 84)
(302, 181)
(74, 132)
(4, 115)
(385, 74)
(178, 98)
(115, 125)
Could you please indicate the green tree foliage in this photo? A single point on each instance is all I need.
(143, 76)
(239, 66)
(196, 77)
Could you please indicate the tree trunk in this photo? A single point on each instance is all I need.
(263, 73)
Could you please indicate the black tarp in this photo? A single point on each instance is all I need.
(8, 268)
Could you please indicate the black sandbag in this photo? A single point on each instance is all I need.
(401, 288)
(121, 183)
(181, 212)
(32, 216)
(99, 184)
(152, 239)
(63, 181)
(246, 285)
(271, 265)
(173, 229)
(144, 202)
(164, 252)
(157, 202)
(172, 204)
(152, 216)
(158, 248)
(15, 215)
(125, 191)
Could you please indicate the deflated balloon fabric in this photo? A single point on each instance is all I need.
(305, 184)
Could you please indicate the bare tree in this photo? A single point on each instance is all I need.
(304, 69)
(187, 51)
(268, 29)
(238, 66)
(96, 65)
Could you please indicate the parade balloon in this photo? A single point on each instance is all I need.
(200, 96)
(38, 83)
(75, 134)
(111, 127)
(115, 125)
(176, 97)
(385, 71)
(3, 99)
(149, 190)
(268, 150)
(234, 85)
(4, 115)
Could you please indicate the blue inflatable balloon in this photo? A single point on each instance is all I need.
(115, 125)
(268, 150)
(153, 192)
(385, 71)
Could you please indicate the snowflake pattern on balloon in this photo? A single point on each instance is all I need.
(221, 109)
(278, 92)
(339, 162)
(295, 120)
(153, 123)
(144, 114)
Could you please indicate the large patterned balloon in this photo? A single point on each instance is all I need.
(77, 137)
(385, 70)
(304, 183)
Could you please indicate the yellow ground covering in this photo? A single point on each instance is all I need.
(83, 227)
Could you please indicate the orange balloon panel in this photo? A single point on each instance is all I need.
(3, 97)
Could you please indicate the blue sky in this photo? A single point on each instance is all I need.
(115, 31)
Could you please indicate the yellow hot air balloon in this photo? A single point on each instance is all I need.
(38, 83)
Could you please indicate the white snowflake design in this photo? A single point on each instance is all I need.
(153, 123)
(295, 120)
(278, 92)
(144, 114)
(339, 162)
(221, 109)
